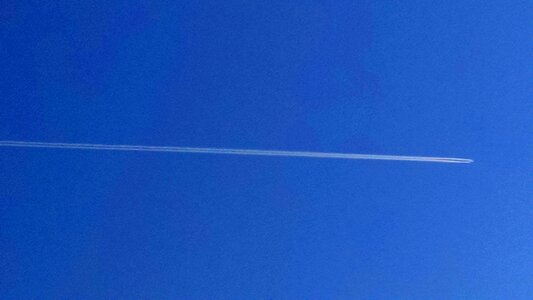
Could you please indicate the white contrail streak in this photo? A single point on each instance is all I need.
(26, 144)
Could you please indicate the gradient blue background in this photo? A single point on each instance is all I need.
(437, 78)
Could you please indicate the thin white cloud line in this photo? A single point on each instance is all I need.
(144, 148)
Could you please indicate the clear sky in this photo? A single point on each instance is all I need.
(435, 78)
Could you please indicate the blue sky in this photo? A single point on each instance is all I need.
(384, 77)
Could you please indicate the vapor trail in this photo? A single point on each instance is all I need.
(141, 148)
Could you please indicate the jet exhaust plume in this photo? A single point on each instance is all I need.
(141, 148)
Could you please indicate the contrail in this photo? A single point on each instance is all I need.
(141, 148)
